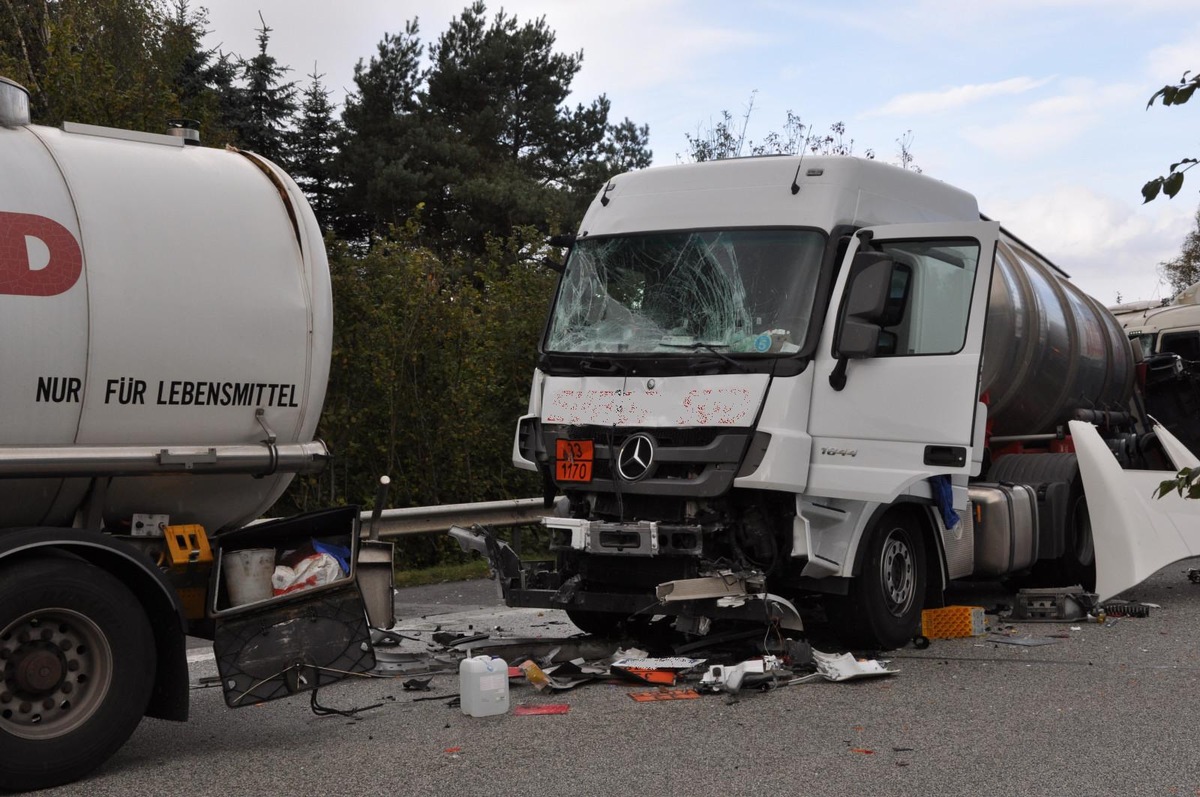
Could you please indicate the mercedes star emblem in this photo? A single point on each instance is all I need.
(635, 458)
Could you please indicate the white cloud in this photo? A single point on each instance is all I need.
(1108, 247)
(956, 97)
(1168, 62)
(1051, 123)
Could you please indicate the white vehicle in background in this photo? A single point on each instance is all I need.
(1165, 326)
(1168, 333)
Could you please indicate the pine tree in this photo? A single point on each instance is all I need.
(382, 183)
(267, 103)
(314, 149)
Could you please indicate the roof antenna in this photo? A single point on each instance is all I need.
(796, 176)
(604, 200)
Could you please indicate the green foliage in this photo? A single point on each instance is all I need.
(121, 63)
(263, 109)
(727, 139)
(1184, 270)
(313, 149)
(1172, 182)
(430, 371)
(439, 574)
(96, 61)
(1186, 483)
(483, 139)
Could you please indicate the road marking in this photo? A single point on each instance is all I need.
(201, 655)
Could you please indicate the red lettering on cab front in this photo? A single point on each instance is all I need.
(17, 275)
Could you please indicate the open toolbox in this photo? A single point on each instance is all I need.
(286, 636)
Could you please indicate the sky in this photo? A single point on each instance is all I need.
(1037, 107)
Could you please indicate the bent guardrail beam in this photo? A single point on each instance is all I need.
(429, 519)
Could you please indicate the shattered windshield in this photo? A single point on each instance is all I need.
(728, 290)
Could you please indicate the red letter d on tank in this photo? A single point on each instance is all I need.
(20, 277)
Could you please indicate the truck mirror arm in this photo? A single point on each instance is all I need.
(837, 377)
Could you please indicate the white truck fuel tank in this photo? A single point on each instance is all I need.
(157, 301)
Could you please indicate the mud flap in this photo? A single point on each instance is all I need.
(298, 641)
(1135, 534)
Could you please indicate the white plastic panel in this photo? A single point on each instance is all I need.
(678, 401)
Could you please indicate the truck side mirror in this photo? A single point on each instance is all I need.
(874, 299)
(876, 293)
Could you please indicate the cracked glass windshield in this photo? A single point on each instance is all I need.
(730, 290)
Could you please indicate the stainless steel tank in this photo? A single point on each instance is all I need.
(1049, 348)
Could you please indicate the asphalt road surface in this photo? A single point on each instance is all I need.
(1102, 710)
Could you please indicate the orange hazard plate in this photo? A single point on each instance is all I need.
(573, 460)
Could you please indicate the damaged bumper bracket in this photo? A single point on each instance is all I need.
(722, 596)
(500, 556)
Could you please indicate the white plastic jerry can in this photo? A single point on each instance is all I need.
(483, 686)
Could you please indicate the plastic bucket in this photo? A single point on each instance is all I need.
(248, 574)
(483, 686)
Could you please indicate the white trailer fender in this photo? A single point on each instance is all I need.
(1135, 533)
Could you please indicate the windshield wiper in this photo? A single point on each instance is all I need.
(709, 347)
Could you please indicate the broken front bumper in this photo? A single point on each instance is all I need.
(725, 595)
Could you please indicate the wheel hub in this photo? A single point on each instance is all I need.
(898, 574)
(38, 671)
(57, 666)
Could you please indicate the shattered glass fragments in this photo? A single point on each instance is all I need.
(745, 291)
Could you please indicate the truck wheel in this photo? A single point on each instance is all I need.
(77, 659)
(883, 609)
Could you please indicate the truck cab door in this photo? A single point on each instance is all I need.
(896, 380)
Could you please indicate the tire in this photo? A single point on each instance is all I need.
(883, 608)
(1077, 563)
(77, 658)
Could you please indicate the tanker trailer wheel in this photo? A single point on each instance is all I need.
(883, 608)
(77, 658)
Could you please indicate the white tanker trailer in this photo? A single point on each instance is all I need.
(166, 322)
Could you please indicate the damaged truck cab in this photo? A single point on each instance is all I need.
(769, 384)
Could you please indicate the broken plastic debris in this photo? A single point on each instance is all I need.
(534, 674)
(664, 663)
(845, 667)
(642, 675)
(548, 708)
(731, 678)
(662, 693)
(417, 684)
